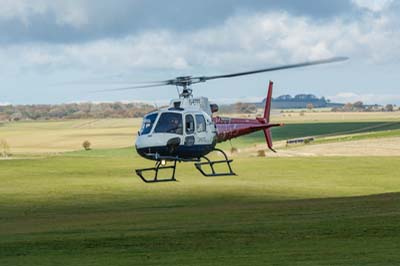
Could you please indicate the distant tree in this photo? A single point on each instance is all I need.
(86, 145)
(348, 107)
(389, 108)
(358, 105)
(251, 108)
(310, 106)
(245, 108)
(282, 98)
(16, 116)
(73, 110)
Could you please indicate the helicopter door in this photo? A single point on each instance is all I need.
(189, 130)
(201, 131)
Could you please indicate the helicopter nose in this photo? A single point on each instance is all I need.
(142, 141)
(165, 144)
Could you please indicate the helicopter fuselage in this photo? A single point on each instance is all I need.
(186, 129)
(186, 134)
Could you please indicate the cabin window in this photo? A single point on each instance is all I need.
(189, 122)
(169, 123)
(148, 122)
(201, 123)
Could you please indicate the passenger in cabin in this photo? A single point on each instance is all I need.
(170, 123)
(176, 126)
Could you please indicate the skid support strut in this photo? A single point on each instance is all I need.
(212, 163)
(158, 167)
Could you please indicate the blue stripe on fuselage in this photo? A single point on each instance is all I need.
(182, 151)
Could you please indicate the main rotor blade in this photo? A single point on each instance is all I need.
(188, 80)
(105, 82)
(304, 64)
(136, 87)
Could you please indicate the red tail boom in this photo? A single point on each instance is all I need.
(229, 128)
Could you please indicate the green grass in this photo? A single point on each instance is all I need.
(361, 136)
(291, 131)
(88, 208)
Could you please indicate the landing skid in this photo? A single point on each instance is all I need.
(158, 167)
(199, 166)
(212, 163)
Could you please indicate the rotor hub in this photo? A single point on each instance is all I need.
(186, 93)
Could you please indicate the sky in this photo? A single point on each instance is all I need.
(61, 51)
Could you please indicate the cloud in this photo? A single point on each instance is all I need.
(242, 41)
(51, 41)
(60, 21)
(373, 5)
(65, 12)
(21, 10)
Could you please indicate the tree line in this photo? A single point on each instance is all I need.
(359, 106)
(124, 110)
(73, 111)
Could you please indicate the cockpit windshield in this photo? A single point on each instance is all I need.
(170, 123)
(148, 122)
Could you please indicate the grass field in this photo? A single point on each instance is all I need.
(88, 208)
(360, 136)
(325, 129)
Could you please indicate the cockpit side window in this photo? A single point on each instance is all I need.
(169, 123)
(148, 122)
(201, 123)
(189, 124)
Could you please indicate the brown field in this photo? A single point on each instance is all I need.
(325, 116)
(322, 115)
(62, 136)
(367, 147)
(337, 117)
(38, 137)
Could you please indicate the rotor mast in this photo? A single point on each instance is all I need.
(185, 83)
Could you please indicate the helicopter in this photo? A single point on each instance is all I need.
(188, 130)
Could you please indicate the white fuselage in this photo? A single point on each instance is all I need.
(184, 129)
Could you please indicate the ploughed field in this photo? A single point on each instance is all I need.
(89, 208)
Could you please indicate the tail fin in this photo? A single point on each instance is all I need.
(268, 139)
(267, 112)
